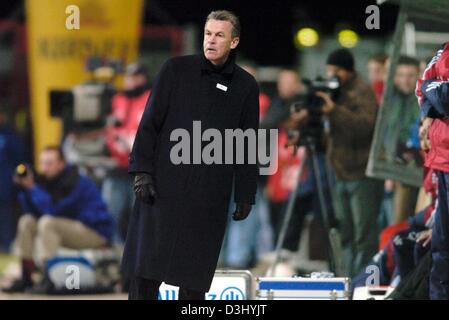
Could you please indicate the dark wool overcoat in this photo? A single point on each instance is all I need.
(177, 239)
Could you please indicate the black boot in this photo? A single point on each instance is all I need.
(187, 294)
(143, 289)
(18, 286)
(23, 284)
(46, 286)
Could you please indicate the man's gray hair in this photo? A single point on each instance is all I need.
(225, 15)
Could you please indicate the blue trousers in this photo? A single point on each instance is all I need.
(7, 228)
(118, 194)
(246, 240)
(439, 275)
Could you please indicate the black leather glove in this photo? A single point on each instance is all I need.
(144, 187)
(242, 211)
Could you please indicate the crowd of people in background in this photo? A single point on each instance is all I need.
(60, 207)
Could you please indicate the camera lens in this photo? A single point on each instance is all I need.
(21, 170)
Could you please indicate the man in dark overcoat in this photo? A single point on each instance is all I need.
(179, 219)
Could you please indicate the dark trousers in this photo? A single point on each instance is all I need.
(407, 252)
(145, 289)
(307, 201)
(439, 275)
(357, 205)
(303, 206)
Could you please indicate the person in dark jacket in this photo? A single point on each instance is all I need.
(179, 218)
(62, 209)
(357, 198)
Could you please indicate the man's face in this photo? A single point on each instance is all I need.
(50, 164)
(133, 81)
(218, 41)
(342, 74)
(376, 71)
(405, 78)
(288, 84)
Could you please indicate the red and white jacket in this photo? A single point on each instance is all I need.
(432, 91)
(128, 111)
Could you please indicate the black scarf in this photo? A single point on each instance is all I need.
(62, 185)
(226, 68)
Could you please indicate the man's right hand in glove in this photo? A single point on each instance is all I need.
(144, 187)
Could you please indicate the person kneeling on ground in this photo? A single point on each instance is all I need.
(61, 209)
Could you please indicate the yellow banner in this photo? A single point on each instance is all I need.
(62, 34)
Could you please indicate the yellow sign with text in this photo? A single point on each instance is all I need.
(62, 34)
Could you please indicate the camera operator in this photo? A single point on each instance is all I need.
(352, 117)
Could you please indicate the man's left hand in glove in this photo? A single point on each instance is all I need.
(144, 187)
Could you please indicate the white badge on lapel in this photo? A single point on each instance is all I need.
(222, 87)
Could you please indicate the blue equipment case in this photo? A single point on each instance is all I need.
(299, 288)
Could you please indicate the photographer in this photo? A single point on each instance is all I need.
(62, 209)
(352, 117)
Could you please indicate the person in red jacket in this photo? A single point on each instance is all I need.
(432, 91)
(377, 73)
(127, 110)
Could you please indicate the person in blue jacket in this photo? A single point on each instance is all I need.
(62, 208)
(12, 152)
